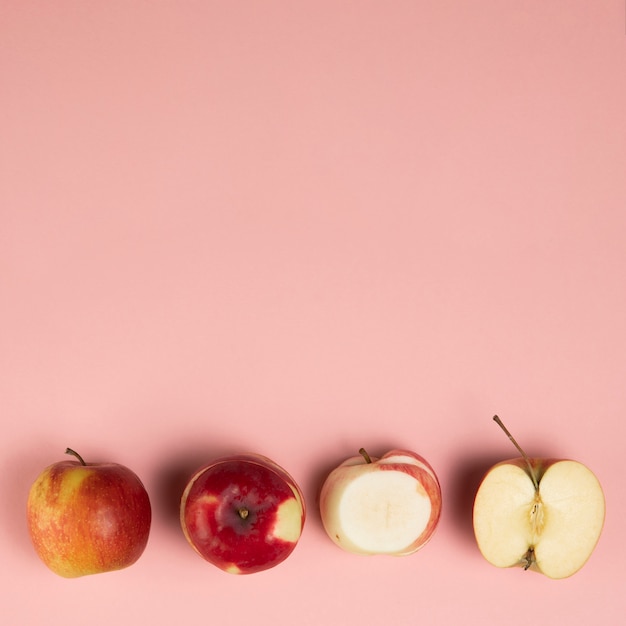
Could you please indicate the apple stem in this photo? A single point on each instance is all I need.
(365, 455)
(243, 513)
(74, 453)
(498, 421)
(529, 557)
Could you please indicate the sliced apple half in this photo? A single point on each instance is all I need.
(541, 514)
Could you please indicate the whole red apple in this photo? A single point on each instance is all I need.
(88, 518)
(242, 513)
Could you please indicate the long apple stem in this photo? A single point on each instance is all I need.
(74, 453)
(498, 421)
(365, 455)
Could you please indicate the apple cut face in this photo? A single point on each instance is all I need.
(552, 530)
(575, 508)
(383, 512)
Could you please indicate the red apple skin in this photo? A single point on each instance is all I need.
(425, 476)
(88, 519)
(213, 526)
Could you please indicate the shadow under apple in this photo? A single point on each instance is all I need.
(459, 496)
(466, 477)
(172, 478)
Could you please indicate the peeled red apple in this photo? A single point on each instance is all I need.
(88, 518)
(242, 513)
(388, 505)
(540, 514)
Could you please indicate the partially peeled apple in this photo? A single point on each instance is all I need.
(242, 513)
(388, 505)
(544, 515)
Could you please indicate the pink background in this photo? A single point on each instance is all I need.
(298, 228)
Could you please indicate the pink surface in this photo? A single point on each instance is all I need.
(297, 229)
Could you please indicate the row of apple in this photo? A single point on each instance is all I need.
(246, 514)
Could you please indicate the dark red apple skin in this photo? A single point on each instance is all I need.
(211, 519)
(88, 519)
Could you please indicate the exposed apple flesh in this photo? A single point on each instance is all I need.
(389, 505)
(244, 514)
(540, 514)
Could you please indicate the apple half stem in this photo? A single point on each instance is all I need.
(529, 557)
(365, 455)
(74, 453)
(498, 421)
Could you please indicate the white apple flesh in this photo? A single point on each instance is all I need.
(389, 505)
(541, 514)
